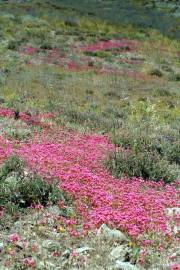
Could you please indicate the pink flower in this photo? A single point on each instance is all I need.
(39, 207)
(175, 266)
(34, 247)
(56, 254)
(132, 205)
(122, 44)
(142, 256)
(72, 65)
(74, 253)
(14, 237)
(146, 242)
(29, 50)
(86, 227)
(29, 262)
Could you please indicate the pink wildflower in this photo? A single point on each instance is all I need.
(34, 247)
(175, 266)
(38, 207)
(132, 205)
(74, 253)
(56, 254)
(29, 262)
(14, 237)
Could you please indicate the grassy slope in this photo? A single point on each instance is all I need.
(128, 108)
(137, 13)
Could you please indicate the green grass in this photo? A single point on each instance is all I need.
(140, 114)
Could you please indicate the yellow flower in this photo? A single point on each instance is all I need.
(60, 229)
(131, 244)
(9, 249)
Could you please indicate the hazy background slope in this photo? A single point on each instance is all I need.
(163, 16)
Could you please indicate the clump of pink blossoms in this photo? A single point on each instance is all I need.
(132, 205)
(123, 44)
(29, 262)
(14, 237)
(175, 266)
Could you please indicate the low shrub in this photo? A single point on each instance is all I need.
(155, 72)
(12, 166)
(14, 129)
(71, 21)
(174, 77)
(14, 44)
(22, 189)
(46, 46)
(148, 165)
(149, 146)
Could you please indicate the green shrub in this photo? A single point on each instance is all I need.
(34, 190)
(14, 129)
(22, 189)
(101, 54)
(18, 134)
(174, 77)
(13, 165)
(170, 150)
(14, 44)
(148, 165)
(72, 22)
(154, 71)
(46, 46)
(144, 137)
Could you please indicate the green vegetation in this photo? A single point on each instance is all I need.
(108, 68)
(21, 189)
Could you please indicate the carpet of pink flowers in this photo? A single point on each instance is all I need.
(132, 205)
(58, 57)
(122, 44)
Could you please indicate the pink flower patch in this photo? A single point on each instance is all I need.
(175, 266)
(132, 205)
(122, 44)
(29, 262)
(6, 149)
(6, 112)
(29, 50)
(14, 237)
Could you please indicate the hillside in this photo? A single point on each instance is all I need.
(89, 134)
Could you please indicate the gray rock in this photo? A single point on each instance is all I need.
(112, 234)
(171, 212)
(83, 249)
(120, 253)
(54, 210)
(50, 245)
(1, 245)
(125, 266)
(17, 225)
(46, 265)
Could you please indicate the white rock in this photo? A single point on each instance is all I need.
(1, 245)
(113, 234)
(83, 249)
(120, 253)
(48, 265)
(125, 266)
(171, 213)
(54, 210)
(51, 245)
